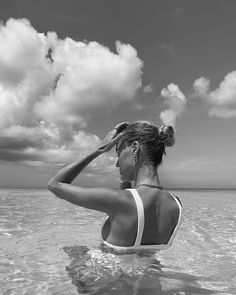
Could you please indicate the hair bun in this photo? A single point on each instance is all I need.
(166, 133)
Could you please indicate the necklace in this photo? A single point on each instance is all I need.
(150, 185)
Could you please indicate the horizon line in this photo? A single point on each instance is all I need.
(168, 188)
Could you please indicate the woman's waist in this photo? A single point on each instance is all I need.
(125, 236)
(147, 249)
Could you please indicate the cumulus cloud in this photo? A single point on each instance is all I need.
(201, 86)
(50, 88)
(222, 100)
(93, 77)
(25, 73)
(176, 102)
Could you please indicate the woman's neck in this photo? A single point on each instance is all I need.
(146, 174)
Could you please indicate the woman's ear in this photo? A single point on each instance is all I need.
(135, 146)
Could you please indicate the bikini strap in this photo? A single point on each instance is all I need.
(140, 212)
(178, 222)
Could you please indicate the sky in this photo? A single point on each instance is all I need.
(70, 70)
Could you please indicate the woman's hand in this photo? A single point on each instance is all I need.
(112, 137)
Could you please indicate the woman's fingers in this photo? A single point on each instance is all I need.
(119, 127)
(114, 135)
(118, 137)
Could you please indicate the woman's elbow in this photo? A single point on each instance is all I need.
(52, 185)
(55, 188)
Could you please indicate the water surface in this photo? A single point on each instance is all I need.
(48, 246)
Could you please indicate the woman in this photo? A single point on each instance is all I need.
(146, 217)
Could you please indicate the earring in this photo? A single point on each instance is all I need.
(135, 158)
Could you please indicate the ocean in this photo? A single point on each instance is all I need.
(49, 246)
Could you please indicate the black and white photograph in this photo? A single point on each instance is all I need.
(118, 147)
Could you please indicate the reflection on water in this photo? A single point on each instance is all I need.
(48, 246)
(93, 271)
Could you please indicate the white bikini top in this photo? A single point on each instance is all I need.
(141, 221)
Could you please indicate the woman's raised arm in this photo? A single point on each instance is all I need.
(101, 199)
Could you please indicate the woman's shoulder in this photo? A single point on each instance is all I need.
(168, 197)
(166, 193)
(126, 198)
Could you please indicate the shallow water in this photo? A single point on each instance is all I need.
(48, 246)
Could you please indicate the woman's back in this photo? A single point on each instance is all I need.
(161, 214)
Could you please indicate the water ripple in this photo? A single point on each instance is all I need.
(35, 227)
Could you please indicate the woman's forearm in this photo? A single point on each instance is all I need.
(71, 171)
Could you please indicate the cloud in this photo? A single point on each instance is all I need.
(176, 102)
(50, 88)
(148, 88)
(25, 73)
(93, 78)
(89, 76)
(225, 94)
(222, 112)
(43, 147)
(201, 86)
(222, 100)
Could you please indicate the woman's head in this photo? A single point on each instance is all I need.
(142, 142)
